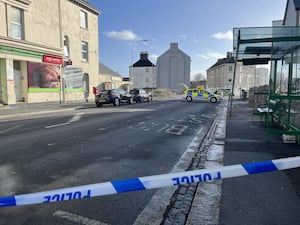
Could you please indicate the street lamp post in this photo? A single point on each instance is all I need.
(132, 47)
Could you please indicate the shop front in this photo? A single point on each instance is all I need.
(31, 77)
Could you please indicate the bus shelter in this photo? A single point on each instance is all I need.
(279, 47)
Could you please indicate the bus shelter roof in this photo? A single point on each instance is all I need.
(259, 45)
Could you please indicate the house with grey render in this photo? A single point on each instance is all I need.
(173, 69)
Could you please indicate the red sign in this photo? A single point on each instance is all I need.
(52, 59)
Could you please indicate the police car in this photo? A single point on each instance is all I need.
(198, 94)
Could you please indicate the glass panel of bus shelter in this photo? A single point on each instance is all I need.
(295, 86)
(282, 80)
(295, 90)
(295, 113)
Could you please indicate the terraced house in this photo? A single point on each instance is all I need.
(48, 50)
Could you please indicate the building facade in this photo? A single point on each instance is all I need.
(143, 73)
(173, 69)
(109, 79)
(220, 75)
(48, 50)
(262, 76)
(292, 13)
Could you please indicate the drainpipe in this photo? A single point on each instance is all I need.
(61, 45)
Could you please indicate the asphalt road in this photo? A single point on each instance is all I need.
(93, 145)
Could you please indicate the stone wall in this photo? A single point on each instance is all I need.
(258, 96)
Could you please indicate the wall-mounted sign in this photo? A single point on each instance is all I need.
(73, 77)
(52, 59)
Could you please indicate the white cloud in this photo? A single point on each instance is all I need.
(212, 55)
(226, 35)
(125, 35)
(153, 57)
(183, 36)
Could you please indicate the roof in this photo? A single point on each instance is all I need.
(174, 49)
(223, 61)
(103, 69)
(86, 5)
(144, 61)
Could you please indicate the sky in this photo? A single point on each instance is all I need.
(202, 28)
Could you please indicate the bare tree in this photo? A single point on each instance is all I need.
(199, 77)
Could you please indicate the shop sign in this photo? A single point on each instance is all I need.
(52, 59)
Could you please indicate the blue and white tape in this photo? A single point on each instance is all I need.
(149, 182)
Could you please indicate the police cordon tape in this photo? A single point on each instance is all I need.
(150, 182)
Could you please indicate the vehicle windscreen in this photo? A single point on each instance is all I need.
(134, 92)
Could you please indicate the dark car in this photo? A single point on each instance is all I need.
(139, 95)
(113, 96)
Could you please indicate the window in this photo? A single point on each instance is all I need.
(66, 46)
(84, 51)
(86, 83)
(17, 23)
(83, 20)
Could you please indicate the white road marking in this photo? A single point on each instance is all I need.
(10, 129)
(105, 128)
(76, 218)
(75, 118)
(57, 125)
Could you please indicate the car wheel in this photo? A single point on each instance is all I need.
(116, 102)
(189, 98)
(98, 104)
(213, 100)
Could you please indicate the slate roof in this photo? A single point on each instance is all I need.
(223, 61)
(103, 69)
(144, 61)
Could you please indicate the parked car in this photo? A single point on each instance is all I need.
(223, 92)
(198, 94)
(113, 96)
(140, 95)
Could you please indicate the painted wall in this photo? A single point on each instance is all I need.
(173, 69)
(143, 77)
(291, 18)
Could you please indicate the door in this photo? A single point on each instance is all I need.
(18, 81)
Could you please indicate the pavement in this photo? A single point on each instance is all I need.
(261, 199)
(25, 110)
